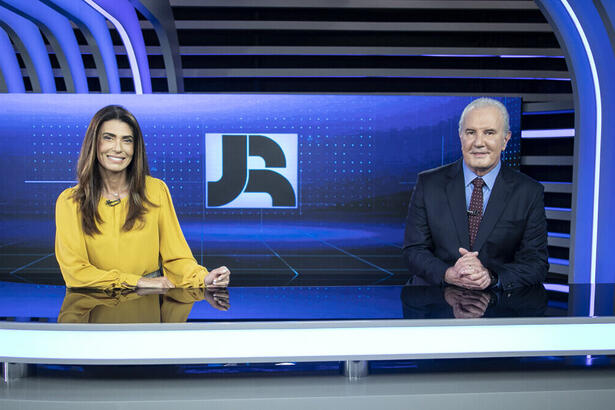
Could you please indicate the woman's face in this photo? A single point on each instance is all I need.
(116, 145)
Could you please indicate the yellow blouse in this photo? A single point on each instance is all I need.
(117, 306)
(118, 259)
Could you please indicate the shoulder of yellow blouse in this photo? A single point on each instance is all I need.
(66, 195)
(155, 189)
(152, 183)
(155, 186)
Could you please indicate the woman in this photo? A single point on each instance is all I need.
(118, 225)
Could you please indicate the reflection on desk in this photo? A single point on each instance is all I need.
(142, 306)
(435, 302)
(23, 302)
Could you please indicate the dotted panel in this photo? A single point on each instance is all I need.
(348, 161)
(175, 154)
(54, 153)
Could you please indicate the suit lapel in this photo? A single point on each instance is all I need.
(455, 193)
(502, 188)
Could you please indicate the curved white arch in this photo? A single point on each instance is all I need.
(594, 72)
(132, 58)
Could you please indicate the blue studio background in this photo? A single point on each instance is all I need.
(357, 161)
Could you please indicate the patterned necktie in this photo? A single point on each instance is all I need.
(475, 213)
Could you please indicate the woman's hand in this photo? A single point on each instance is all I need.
(155, 283)
(218, 278)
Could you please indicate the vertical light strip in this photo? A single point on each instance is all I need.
(594, 71)
(132, 58)
(592, 299)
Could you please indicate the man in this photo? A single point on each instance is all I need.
(474, 223)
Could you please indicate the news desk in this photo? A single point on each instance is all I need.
(271, 320)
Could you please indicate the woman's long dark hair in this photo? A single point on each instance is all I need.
(88, 192)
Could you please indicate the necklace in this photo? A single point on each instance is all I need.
(115, 194)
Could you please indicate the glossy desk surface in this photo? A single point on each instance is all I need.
(24, 302)
(52, 324)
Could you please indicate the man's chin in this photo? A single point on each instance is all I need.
(481, 169)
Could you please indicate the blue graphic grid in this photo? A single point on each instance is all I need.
(358, 160)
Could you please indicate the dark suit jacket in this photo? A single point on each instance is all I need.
(511, 240)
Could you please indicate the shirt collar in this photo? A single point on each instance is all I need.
(489, 177)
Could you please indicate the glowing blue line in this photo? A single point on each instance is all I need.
(191, 75)
(294, 255)
(353, 256)
(559, 261)
(554, 208)
(132, 58)
(282, 259)
(18, 254)
(527, 56)
(548, 112)
(592, 299)
(11, 243)
(30, 264)
(552, 234)
(458, 55)
(383, 279)
(555, 287)
(557, 133)
(393, 245)
(594, 71)
(48, 182)
(489, 55)
(320, 269)
(252, 269)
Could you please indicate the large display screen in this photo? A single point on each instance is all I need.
(263, 183)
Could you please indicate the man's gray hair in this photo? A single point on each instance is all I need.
(486, 102)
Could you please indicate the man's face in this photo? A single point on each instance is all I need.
(483, 139)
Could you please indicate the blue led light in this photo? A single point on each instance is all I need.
(90, 21)
(9, 65)
(57, 28)
(124, 17)
(28, 35)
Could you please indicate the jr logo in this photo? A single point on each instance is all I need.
(251, 171)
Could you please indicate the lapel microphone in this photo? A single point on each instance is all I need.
(112, 203)
(470, 213)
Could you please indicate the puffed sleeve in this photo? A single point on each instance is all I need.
(78, 304)
(72, 254)
(177, 260)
